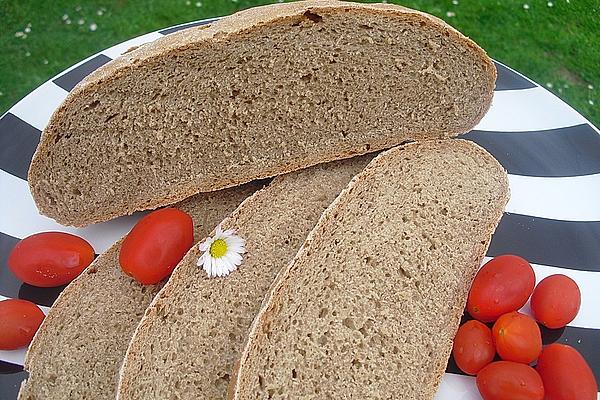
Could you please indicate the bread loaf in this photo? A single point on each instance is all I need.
(77, 352)
(263, 92)
(186, 343)
(369, 306)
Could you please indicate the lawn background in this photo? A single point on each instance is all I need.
(556, 43)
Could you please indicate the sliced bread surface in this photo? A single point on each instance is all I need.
(189, 338)
(370, 305)
(260, 93)
(77, 352)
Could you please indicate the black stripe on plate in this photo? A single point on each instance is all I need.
(566, 244)
(9, 368)
(12, 287)
(18, 141)
(586, 341)
(509, 80)
(69, 79)
(185, 26)
(570, 151)
(11, 376)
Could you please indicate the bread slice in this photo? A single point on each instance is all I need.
(186, 344)
(260, 93)
(369, 306)
(77, 352)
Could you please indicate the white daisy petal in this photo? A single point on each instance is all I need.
(207, 263)
(224, 261)
(235, 249)
(235, 258)
(206, 244)
(219, 230)
(229, 233)
(220, 266)
(227, 261)
(235, 240)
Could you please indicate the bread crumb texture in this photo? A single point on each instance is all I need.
(370, 305)
(263, 92)
(190, 337)
(77, 352)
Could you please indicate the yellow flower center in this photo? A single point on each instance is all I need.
(218, 248)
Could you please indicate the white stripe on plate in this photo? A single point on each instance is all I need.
(37, 107)
(574, 198)
(19, 217)
(459, 387)
(16, 356)
(532, 109)
(588, 282)
(116, 51)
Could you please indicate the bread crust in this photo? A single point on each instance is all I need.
(232, 27)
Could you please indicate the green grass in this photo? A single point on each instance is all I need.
(558, 46)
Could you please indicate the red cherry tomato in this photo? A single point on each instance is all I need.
(565, 374)
(50, 259)
(517, 337)
(503, 380)
(502, 285)
(473, 347)
(19, 319)
(555, 301)
(156, 244)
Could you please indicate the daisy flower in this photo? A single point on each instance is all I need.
(221, 253)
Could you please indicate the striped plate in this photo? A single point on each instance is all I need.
(551, 152)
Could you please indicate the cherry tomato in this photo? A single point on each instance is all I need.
(20, 320)
(502, 285)
(156, 244)
(503, 380)
(565, 374)
(555, 301)
(473, 347)
(50, 259)
(517, 337)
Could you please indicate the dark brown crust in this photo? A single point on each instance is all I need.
(326, 219)
(234, 25)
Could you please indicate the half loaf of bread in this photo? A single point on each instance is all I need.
(370, 305)
(77, 352)
(263, 92)
(189, 338)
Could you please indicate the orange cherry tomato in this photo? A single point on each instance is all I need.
(555, 301)
(20, 320)
(517, 337)
(473, 347)
(50, 259)
(502, 285)
(504, 380)
(156, 244)
(565, 374)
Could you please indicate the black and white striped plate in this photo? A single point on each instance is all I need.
(551, 152)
